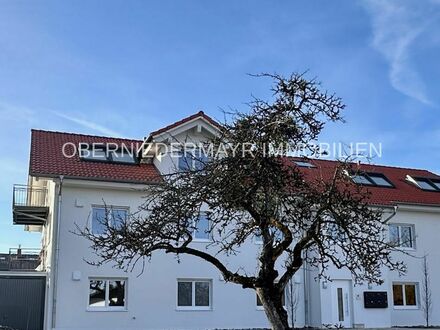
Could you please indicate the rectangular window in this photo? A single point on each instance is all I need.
(260, 304)
(402, 235)
(405, 295)
(103, 216)
(107, 153)
(372, 179)
(189, 161)
(107, 294)
(202, 230)
(194, 294)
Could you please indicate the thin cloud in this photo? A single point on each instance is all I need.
(395, 28)
(88, 124)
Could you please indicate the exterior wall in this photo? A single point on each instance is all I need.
(151, 296)
(427, 228)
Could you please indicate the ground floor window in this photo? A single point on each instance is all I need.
(405, 295)
(194, 294)
(107, 294)
(260, 304)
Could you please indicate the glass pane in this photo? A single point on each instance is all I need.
(202, 293)
(394, 235)
(97, 293)
(116, 293)
(99, 220)
(436, 183)
(340, 305)
(410, 295)
(123, 156)
(185, 161)
(94, 153)
(425, 185)
(184, 294)
(397, 295)
(361, 179)
(200, 161)
(406, 236)
(119, 216)
(202, 227)
(380, 181)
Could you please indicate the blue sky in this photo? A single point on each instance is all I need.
(128, 67)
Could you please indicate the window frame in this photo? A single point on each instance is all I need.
(110, 217)
(413, 235)
(368, 176)
(108, 154)
(416, 295)
(193, 307)
(431, 182)
(107, 308)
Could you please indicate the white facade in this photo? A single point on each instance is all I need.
(151, 298)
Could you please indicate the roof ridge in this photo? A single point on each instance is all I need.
(85, 135)
(185, 120)
(371, 164)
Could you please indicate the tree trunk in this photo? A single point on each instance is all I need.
(273, 307)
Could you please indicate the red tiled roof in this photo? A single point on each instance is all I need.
(200, 114)
(403, 192)
(47, 159)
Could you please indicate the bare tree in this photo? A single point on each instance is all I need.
(426, 291)
(260, 192)
(292, 301)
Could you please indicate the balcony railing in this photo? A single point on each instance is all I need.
(29, 205)
(20, 259)
(29, 196)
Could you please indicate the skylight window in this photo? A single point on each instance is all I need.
(380, 180)
(372, 179)
(102, 153)
(304, 164)
(428, 184)
(362, 179)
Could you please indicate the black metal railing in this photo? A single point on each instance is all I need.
(29, 196)
(20, 259)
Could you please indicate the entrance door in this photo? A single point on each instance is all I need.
(341, 294)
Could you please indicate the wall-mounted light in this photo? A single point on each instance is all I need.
(370, 286)
(324, 284)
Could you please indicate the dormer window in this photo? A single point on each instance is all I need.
(372, 179)
(426, 184)
(106, 153)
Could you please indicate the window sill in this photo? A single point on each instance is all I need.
(201, 240)
(194, 309)
(406, 307)
(104, 309)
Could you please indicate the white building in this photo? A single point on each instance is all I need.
(65, 192)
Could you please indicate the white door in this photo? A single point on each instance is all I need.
(341, 294)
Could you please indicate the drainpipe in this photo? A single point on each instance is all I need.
(57, 251)
(306, 292)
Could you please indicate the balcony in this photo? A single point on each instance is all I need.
(29, 205)
(21, 259)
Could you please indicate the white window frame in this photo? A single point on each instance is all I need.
(405, 306)
(107, 308)
(109, 208)
(193, 293)
(399, 229)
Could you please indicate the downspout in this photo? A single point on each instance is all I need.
(306, 293)
(57, 251)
